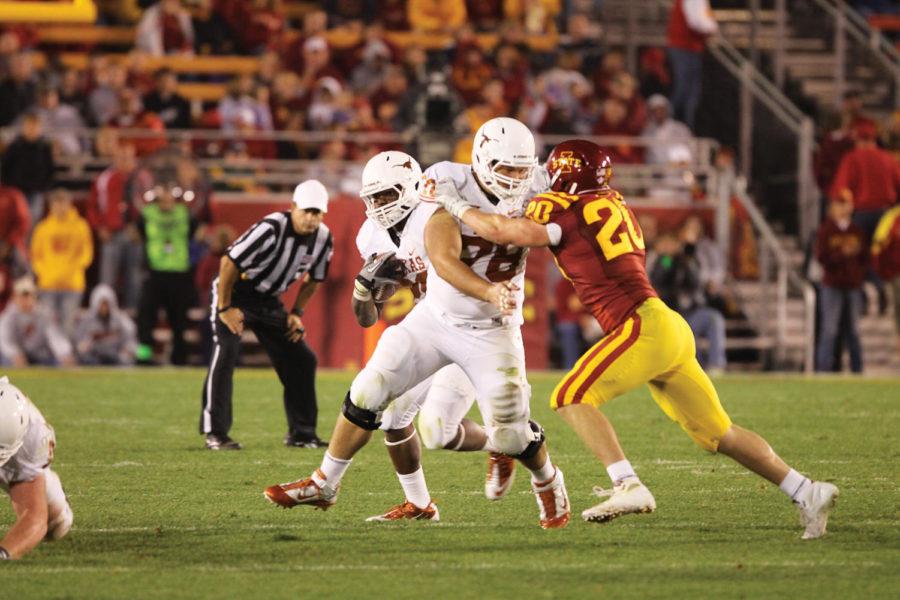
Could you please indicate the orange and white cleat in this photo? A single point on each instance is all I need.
(500, 474)
(314, 491)
(553, 501)
(410, 511)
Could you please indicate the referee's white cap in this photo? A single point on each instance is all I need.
(311, 194)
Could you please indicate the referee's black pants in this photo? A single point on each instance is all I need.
(295, 364)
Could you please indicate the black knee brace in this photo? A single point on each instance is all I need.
(360, 417)
(532, 448)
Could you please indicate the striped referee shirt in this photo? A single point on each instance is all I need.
(271, 255)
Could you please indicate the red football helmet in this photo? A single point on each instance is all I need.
(577, 166)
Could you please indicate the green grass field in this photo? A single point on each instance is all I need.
(158, 517)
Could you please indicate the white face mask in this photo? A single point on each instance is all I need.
(387, 214)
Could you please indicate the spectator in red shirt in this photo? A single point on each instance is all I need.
(166, 28)
(133, 116)
(835, 144)
(512, 70)
(613, 121)
(261, 24)
(110, 208)
(842, 249)
(868, 176)
(690, 24)
(485, 15)
(15, 222)
(625, 88)
(393, 14)
(15, 219)
(470, 73)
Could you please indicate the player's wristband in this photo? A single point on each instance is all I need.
(361, 292)
(4, 554)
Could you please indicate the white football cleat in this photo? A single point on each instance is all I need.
(500, 474)
(409, 511)
(814, 507)
(553, 501)
(628, 497)
(314, 491)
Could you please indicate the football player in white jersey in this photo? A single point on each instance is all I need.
(392, 242)
(26, 451)
(481, 337)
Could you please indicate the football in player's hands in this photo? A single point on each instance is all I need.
(383, 293)
(380, 272)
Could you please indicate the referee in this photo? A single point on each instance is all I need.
(255, 271)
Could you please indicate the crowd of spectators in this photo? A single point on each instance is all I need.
(858, 172)
(304, 81)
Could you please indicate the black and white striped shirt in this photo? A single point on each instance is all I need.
(271, 255)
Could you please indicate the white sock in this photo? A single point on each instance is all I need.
(334, 469)
(543, 474)
(794, 484)
(619, 471)
(415, 489)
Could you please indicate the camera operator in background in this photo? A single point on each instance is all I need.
(676, 275)
(166, 226)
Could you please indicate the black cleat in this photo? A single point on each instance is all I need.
(296, 441)
(221, 442)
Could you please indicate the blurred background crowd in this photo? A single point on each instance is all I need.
(74, 260)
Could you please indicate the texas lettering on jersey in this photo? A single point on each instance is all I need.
(601, 251)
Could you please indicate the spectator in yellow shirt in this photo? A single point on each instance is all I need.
(436, 16)
(61, 252)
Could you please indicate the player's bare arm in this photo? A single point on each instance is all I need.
(365, 311)
(296, 331)
(29, 501)
(233, 317)
(507, 231)
(443, 242)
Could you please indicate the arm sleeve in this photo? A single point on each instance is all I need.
(699, 16)
(554, 232)
(319, 270)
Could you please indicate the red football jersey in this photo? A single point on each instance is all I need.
(601, 251)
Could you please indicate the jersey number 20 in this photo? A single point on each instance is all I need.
(613, 240)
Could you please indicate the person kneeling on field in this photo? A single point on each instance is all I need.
(26, 450)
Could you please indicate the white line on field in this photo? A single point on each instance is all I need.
(444, 566)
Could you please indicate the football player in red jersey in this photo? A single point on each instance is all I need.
(599, 247)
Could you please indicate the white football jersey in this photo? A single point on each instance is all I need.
(488, 260)
(34, 456)
(372, 239)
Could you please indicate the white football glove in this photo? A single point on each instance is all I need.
(379, 271)
(447, 196)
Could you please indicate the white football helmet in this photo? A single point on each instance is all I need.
(504, 142)
(387, 171)
(14, 419)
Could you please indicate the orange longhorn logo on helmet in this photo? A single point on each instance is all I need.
(566, 162)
